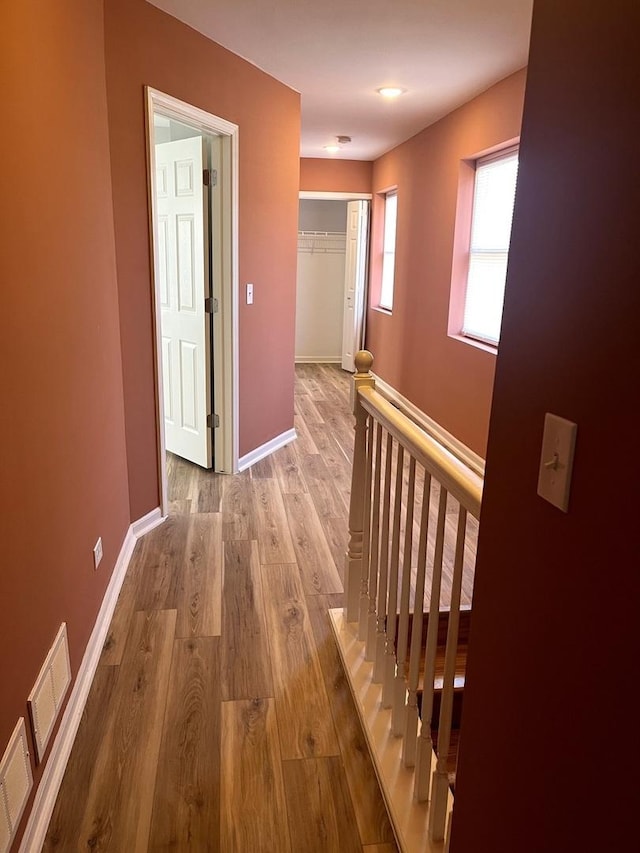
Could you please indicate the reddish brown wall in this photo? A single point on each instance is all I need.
(449, 380)
(146, 46)
(550, 752)
(335, 176)
(64, 477)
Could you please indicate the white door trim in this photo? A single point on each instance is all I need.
(335, 196)
(226, 373)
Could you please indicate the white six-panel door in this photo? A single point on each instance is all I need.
(183, 273)
(355, 273)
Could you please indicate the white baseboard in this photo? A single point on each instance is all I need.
(266, 449)
(47, 792)
(318, 359)
(147, 522)
(461, 451)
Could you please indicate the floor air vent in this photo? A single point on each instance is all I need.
(45, 700)
(15, 784)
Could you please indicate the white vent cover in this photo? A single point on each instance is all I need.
(5, 828)
(15, 784)
(49, 691)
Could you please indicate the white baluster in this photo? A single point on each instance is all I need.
(411, 725)
(381, 633)
(447, 838)
(439, 798)
(422, 778)
(353, 560)
(390, 655)
(400, 685)
(363, 606)
(374, 550)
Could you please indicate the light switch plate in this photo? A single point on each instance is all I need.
(249, 294)
(97, 552)
(556, 460)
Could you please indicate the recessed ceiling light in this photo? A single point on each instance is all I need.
(391, 91)
(334, 147)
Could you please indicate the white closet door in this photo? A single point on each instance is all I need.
(182, 245)
(355, 280)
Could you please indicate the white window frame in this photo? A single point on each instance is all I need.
(387, 273)
(470, 327)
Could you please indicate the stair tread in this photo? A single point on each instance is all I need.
(459, 673)
(458, 683)
(461, 656)
(458, 686)
(464, 625)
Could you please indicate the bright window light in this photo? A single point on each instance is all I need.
(389, 249)
(494, 195)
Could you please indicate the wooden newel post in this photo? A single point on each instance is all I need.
(353, 562)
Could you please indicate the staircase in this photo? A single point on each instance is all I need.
(438, 684)
(404, 632)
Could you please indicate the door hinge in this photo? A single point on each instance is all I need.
(213, 421)
(210, 177)
(210, 305)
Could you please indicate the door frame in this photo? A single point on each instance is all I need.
(340, 196)
(225, 342)
(310, 194)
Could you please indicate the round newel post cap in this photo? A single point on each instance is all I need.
(363, 361)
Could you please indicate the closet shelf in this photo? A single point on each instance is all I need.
(327, 242)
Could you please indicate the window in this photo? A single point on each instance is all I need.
(388, 249)
(493, 198)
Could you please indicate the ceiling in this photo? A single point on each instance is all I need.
(336, 53)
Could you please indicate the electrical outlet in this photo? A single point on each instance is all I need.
(97, 552)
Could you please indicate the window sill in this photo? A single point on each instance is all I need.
(474, 343)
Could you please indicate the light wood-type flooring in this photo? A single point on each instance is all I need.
(220, 718)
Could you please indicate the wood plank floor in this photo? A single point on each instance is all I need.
(220, 718)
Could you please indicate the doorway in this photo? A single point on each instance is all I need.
(185, 271)
(193, 194)
(333, 241)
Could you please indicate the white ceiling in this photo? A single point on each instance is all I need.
(336, 53)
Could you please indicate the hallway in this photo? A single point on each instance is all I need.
(219, 718)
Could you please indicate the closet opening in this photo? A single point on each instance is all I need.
(333, 244)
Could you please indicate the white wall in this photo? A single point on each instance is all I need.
(320, 291)
(322, 215)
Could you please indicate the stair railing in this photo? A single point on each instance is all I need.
(411, 505)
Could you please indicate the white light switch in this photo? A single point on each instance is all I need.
(249, 294)
(556, 460)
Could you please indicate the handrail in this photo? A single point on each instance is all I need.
(385, 583)
(462, 483)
